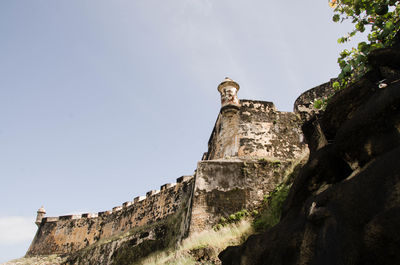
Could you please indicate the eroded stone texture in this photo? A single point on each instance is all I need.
(137, 243)
(250, 149)
(255, 130)
(225, 187)
(67, 234)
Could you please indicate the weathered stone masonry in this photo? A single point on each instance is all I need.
(66, 234)
(255, 130)
(225, 187)
(251, 148)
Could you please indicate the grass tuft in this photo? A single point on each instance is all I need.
(232, 234)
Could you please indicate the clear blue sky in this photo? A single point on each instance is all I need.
(101, 101)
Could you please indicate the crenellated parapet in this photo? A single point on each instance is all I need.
(137, 202)
(72, 232)
(50, 219)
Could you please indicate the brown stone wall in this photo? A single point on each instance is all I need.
(226, 187)
(255, 130)
(66, 234)
(251, 148)
(268, 133)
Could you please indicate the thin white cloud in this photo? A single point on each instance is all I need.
(16, 229)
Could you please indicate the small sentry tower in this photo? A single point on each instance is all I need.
(40, 214)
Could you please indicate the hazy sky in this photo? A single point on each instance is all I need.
(102, 101)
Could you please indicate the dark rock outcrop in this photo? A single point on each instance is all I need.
(304, 104)
(344, 206)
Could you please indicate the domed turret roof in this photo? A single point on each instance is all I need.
(228, 82)
(41, 210)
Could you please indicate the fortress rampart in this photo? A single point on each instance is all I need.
(66, 234)
(250, 151)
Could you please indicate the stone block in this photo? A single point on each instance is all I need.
(70, 217)
(152, 192)
(50, 219)
(126, 204)
(183, 179)
(138, 199)
(166, 186)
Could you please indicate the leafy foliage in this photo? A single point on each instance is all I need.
(321, 103)
(272, 208)
(381, 17)
(234, 218)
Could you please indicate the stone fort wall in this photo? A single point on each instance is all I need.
(251, 149)
(66, 234)
(255, 129)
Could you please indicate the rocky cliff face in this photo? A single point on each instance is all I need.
(344, 206)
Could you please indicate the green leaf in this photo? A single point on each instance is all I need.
(341, 40)
(344, 53)
(389, 26)
(342, 64)
(360, 27)
(336, 85)
(318, 104)
(347, 69)
(384, 34)
(381, 9)
(363, 47)
(360, 59)
(336, 18)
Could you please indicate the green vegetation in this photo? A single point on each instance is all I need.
(270, 213)
(234, 218)
(272, 208)
(214, 241)
(321, 103)
(379, 17)
(262, 160)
